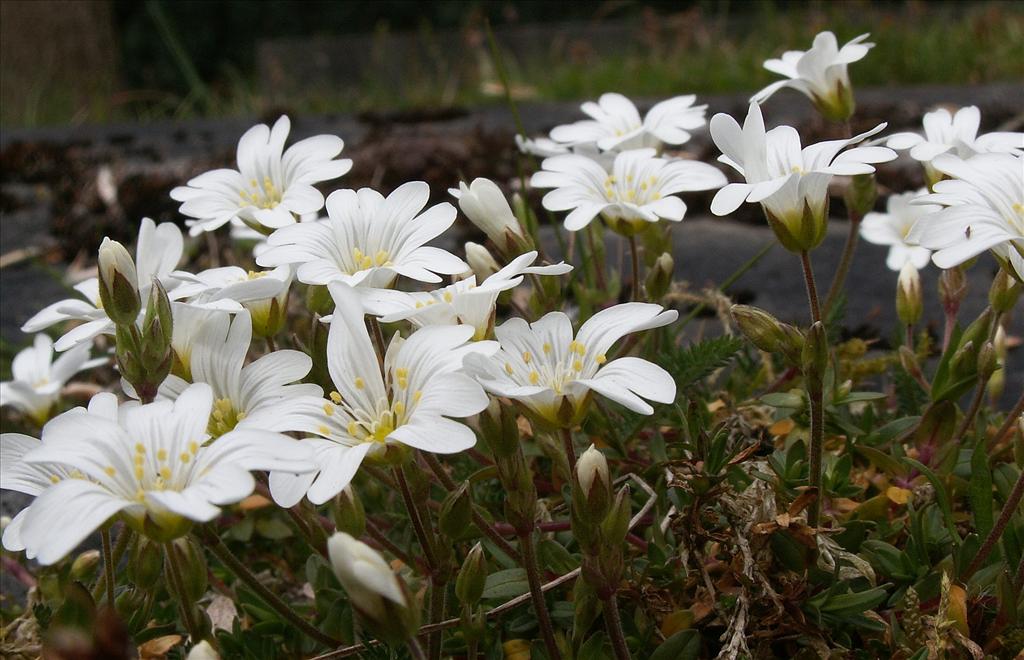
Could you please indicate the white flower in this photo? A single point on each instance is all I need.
(38, 379)
(790, 183)
(892, 227)
(542, 366)
(984, 210)
(592, 466)
(486, 207)
(541, 146)
(956, 133)
(157, 253)
(149, 463)
(639, 189)
(264, 292)
(616, 124)
(464, 302)
(271, 185)
(368, 412)
(480, 260)
(819, 73)
(365, 575)
(253, 396)
(369, 240)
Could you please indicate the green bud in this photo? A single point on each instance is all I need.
(659, 276)
(861, 194)
(978, 331)
(268, 316)
(909, 361)
(469, 584)
(952, 289)
(616, 525)
(767, 332)
(815, 354)
(988, 361)
(118, 283)
(800, 229)
(964, 361)
(84, 566)
(456, 512)
(146, 564)
(593, 492)
(499, 428)
(348, 513)
(838, 105)
(1004, 292)
(192, 563)
(909, 305)
(319, 300)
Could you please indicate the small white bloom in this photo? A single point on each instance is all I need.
(365, 575)
(38, 379)
(541, 146)
(790, 183)
(819, 73)
(616, 124)
(271, 185)
(984, 210)
(143, 462)
(253, 396)
(410, 404)
(157, 253)
(640, 188)
(263, 292)
(542, 366)
(464, 302)
(591, 466)
(892, 227)
(957, 134)
(486, 207)
(480, 260)
(368, 239)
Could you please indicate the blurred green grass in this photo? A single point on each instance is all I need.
(707, 48)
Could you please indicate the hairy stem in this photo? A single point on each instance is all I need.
(486, 528)
(613, 622)
(812, 289)
(108, 565)
(635, 260)
(570, 450)
(272, 600)
(415, 650)
(844, 262)
(437, 606)
(815, 395)
(120, 546)
(421, 531)
(537, 594)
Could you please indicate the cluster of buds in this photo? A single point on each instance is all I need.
(377, 594)
(144, 354)
(600, 522)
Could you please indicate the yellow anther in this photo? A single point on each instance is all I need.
(328, 409)
(193, 447)
(335, 396)
(417, 395)
(419, 304)
(139, 473)
(140, 495)
(402, 372)
(54, 479)
(403, 382)
(508, 368)
(534, 377)
(399, 408)
(240, 416)
(547, 348)
(352, 428)
(140, 448)
(447, 296)
(161, 455)
(381, 257)
(360, 383)
(577, 365)
(601, 359)
(185, 457)
(165, 473)
(323, 430)
(527, 357)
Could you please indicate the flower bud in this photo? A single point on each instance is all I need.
(767, 332)
(469, 584)
(481, 261)
(988, 361)
(146, 564)
(910, 363)
(456, 512)
(964, 361)
(202, 651)
(659, 277)
(837, 104)
(952, 289)
(594, 486)
(799, 228)
(192, 563)
(486, 207)
(119, 284)
(978, 330)
(616, 525)
(376, 593)
(348, 513)
(1004, 292)
(84, 566)
(909, 304)
(861, 194)
(998, 379)
(499, 428)
(815, 354)
(319, 300)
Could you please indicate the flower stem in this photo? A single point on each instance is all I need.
(123, 539)
(415, 650)
(178, 583)
(635, 258)
(812, 289)
(437, 607)
(233, 564)
(539, 604)
(486, 528)
(613, 622)
(596, 256)
(844, 261)
(108, 565)
(570, 450)
(1011, 419)
(979, 392)
(414, 517)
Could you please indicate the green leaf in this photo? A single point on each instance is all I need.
(684, 645)
(980, 490)
(595, 648)
(555, 557)
(692, 364)
(889, 464)
(274, 529)
(854, 603)
(941, 496)
(506, 584)
(854, 397)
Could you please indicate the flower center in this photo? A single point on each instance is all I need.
(223, 418)
(165, 473)
(553, 371)
(364, 261)
(628, 191)
(265, 196)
